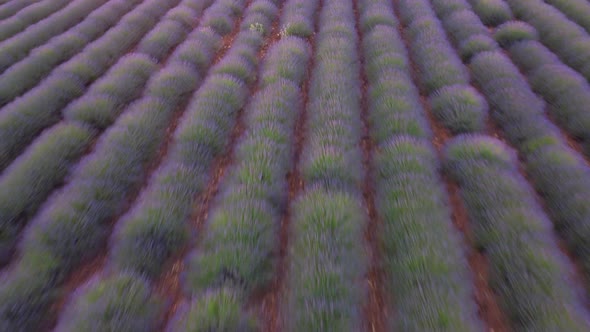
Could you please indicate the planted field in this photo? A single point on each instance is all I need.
(294, 165)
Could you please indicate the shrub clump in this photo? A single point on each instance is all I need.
(460, 108)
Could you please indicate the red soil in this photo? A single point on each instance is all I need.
(73, 282)
(485, 297)
(376, 308)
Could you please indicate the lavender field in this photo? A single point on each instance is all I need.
(294, 165)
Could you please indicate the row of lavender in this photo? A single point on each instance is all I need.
(18, 46)
(24, 68)
(567, 93)
(9, 8)
(28, 16)
(75, 222)
(32, 176)
(239, 252)
(425, 267)
(508, 223)
(236, 255)
(564, 37)
(327, 263)
(24, 118)
(157, 226)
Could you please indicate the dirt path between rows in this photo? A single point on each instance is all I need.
(267, 304)
(376, 309)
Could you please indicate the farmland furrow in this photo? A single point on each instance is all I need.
(566, 92)
(19, 46)
(143, 241)
(102, 116)
(423, 186)
(174, 83)
(454, 109)
(101, 16)
(237, 259)
(299, 20)
(198, 199)
(90, 186)
(12, 8)
(512, 228)
(513, 111)
(375, 308)
(28, 181)
(577, 10)
(539, 54)
(25, 70)
(24, 118)
(294, 165)
(30, 15)
(564, 37)
(325, 286)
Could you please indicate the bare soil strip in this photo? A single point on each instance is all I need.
(376, 308)
(576, 272)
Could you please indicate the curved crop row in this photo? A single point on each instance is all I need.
(458, 106)
(577, 10)
(416, 229)
(240, 248)
(25, 74)
(27, 182)
(74, 223)
(438, 65)
(551, 164)
(104, 101)
(30, 15)
(11, 8)
(161, 213)
(527, 270)
(25, 117)
(172, 29)
(559, 174)
(462, 25)
(325, 289)
(567, 39)
(566, 92)
(30, 181)
(99, 21)
(155, 227)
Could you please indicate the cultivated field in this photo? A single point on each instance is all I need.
(294, 165)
